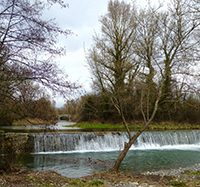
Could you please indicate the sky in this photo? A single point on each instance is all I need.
(82, 18)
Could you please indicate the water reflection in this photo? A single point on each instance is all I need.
(66, 165)
(136, 161)
(59, 126)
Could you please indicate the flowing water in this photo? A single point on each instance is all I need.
(78, 154)
(97, 142)
(151, 151)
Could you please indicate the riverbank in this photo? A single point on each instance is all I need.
(33, 121)
(186, 176)
(134, 126)
(179, 177)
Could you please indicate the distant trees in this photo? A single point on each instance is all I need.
(146, 57)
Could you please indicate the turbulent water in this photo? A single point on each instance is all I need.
(95, 142)
(72, 154)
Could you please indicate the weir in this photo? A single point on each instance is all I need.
(93, 142)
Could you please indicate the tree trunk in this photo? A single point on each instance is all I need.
(127, 146)
(122, 156)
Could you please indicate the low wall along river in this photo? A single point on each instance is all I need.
(18, 143)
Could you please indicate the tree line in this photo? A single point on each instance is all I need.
(31, 103)
(94, 107)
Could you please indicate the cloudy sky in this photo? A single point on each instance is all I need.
(82, 17)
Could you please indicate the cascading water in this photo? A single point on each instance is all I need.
(80, 154)
(93, 142)
(72, 155)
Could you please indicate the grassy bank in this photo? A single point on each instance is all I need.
(138, 125)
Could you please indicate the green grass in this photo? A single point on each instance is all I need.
(187, 171)
(137, 126)
(87, 125)
(96, 183)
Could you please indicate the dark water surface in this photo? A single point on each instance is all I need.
(136, 161)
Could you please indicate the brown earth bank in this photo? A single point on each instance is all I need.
(24, 178)
(51, 178)
(35, 121)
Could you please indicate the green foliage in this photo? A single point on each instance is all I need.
(192, 173)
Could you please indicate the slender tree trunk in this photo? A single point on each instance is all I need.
(127, 146)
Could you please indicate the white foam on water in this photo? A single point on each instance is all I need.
(142, 148)
(81, 143)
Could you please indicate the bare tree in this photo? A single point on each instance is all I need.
(111, 60)
(28, 47)
(147, 50)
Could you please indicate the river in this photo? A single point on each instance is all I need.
(75, 154)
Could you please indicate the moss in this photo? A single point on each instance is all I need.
(30, 178)
(74, 182)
